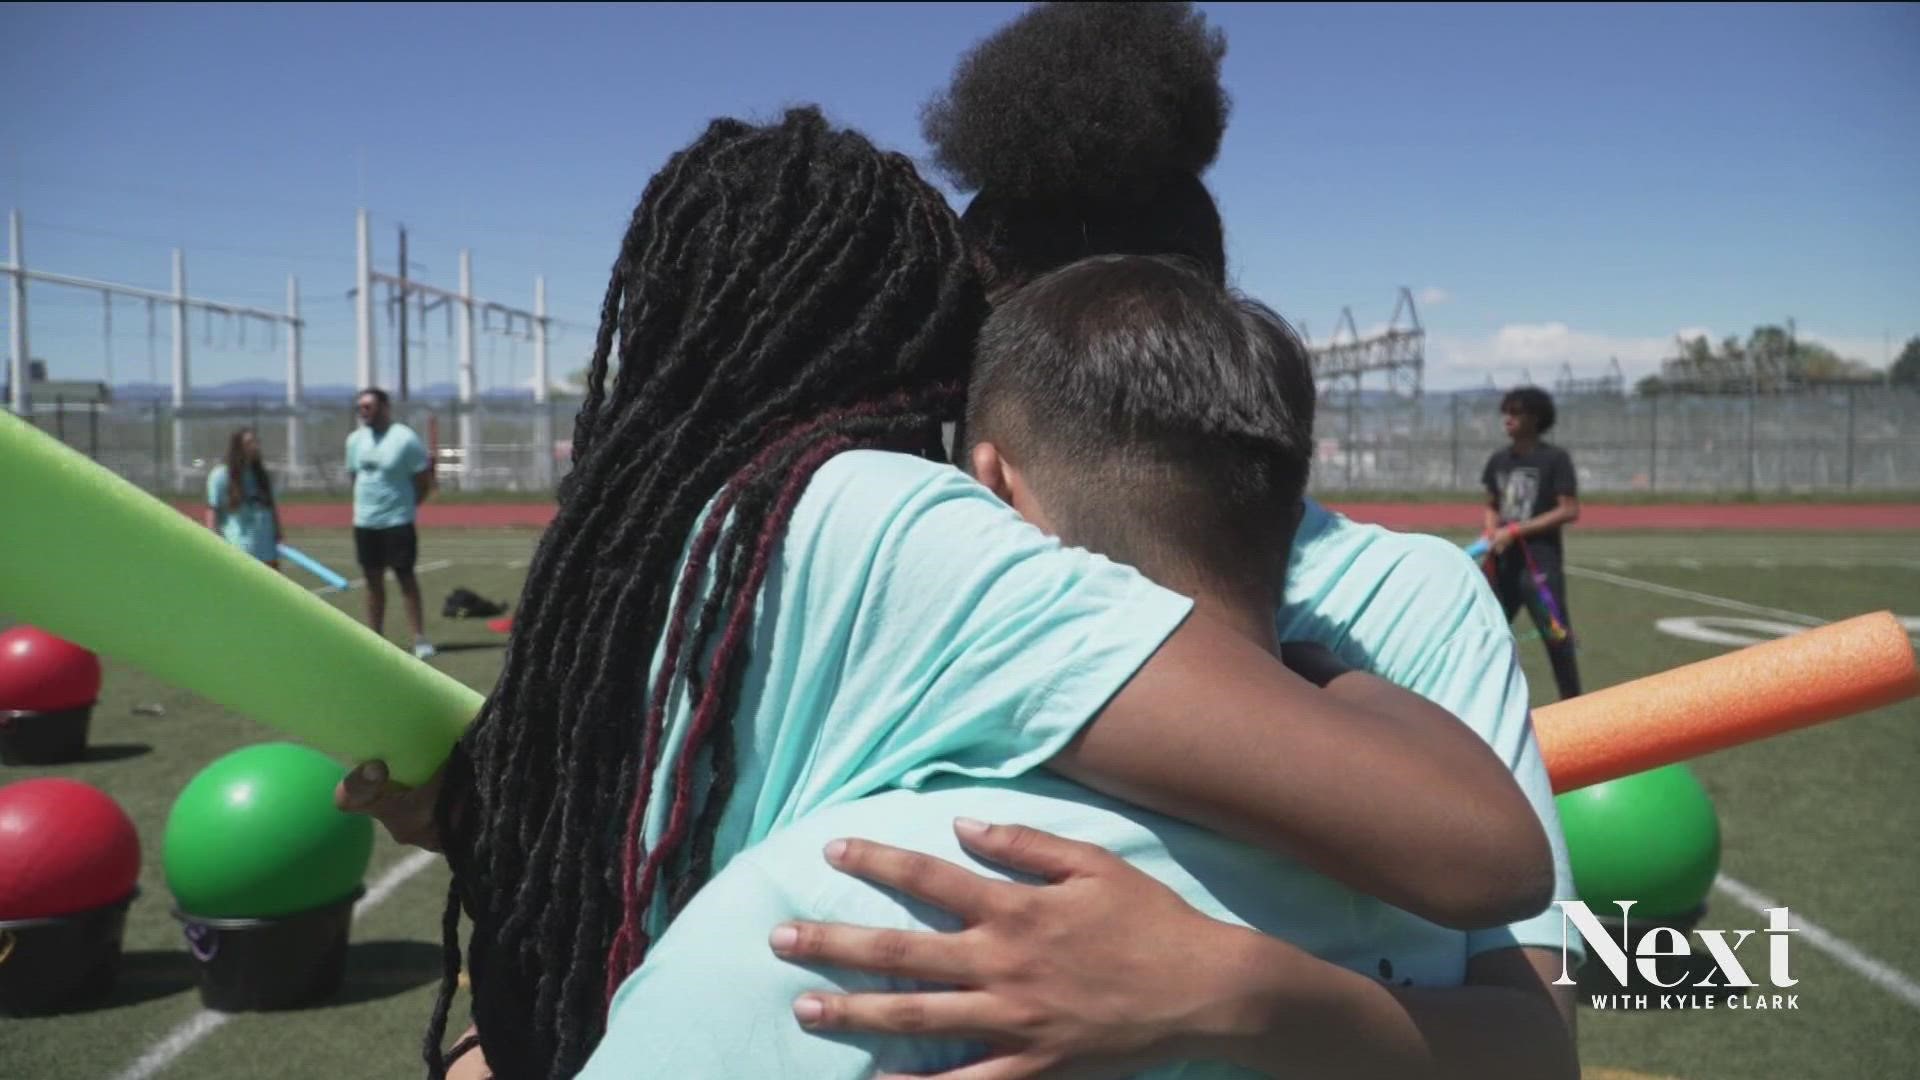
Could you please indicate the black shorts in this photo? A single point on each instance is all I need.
(386, 549)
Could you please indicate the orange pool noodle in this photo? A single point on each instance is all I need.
(1760, 691)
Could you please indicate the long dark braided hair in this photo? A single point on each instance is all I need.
(783, 293)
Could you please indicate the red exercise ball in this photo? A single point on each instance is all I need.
(43, 673)
(65, 847)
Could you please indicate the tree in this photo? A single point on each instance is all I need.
(1906, 370)
(1650, 386)
(1768, 341)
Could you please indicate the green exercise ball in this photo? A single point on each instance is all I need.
(1652, 838)
(255, 835)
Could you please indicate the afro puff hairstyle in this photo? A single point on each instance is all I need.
(1085, 128)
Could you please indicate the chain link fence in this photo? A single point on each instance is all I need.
(510, 447)
(1857, 438)
(1847, 439)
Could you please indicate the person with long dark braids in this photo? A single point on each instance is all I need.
(759, 598)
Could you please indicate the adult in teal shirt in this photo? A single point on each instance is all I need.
(759, 599)
(709, 998)
(391, 477)
(244, 511)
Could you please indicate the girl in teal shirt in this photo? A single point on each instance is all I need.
(244, 512)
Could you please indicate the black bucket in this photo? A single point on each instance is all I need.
(256, 965)
(61, 962)
(44, 738)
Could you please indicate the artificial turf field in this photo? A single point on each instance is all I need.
(1823, 821)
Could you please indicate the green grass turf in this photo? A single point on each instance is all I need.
(1822, 820)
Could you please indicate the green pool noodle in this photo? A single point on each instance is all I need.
(90, 557)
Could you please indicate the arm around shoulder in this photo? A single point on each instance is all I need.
(1400, 801)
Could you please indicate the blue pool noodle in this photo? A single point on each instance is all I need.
(302, 559)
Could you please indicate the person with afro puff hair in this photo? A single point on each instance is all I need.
(1083, 129)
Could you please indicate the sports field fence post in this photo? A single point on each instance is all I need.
(1850, 407)
(1453, 415)
(1353, 396)
(1653, 443)
(1753, 399)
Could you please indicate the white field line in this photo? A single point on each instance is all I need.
(205, 1022)
(1689, 594)
(1845, 953)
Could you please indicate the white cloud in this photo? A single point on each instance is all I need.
(1539, 349)
(1433, 296)
(555, 381)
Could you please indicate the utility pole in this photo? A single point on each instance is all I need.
(365, 371)
(20, 378)
(403, 313)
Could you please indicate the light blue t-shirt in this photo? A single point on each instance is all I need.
(912, 625)
(712, 1000)
(383, 467)
(248, 526)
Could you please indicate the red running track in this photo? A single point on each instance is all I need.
(1408, 517)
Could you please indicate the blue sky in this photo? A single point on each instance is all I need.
(1560, 184)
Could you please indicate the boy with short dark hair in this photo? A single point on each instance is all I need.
(1129, 405)
(1533, 493)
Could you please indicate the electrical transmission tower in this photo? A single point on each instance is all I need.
(534, 326)
(1399, 351)
(1611, 384)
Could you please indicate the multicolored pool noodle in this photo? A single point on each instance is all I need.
(1755, 693)
(1557, 630)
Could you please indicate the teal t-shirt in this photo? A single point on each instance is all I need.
(913, 626)
(712, 999)
(248, 526)
(383, 467)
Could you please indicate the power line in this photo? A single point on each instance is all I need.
(200, 196)
(246, 252)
